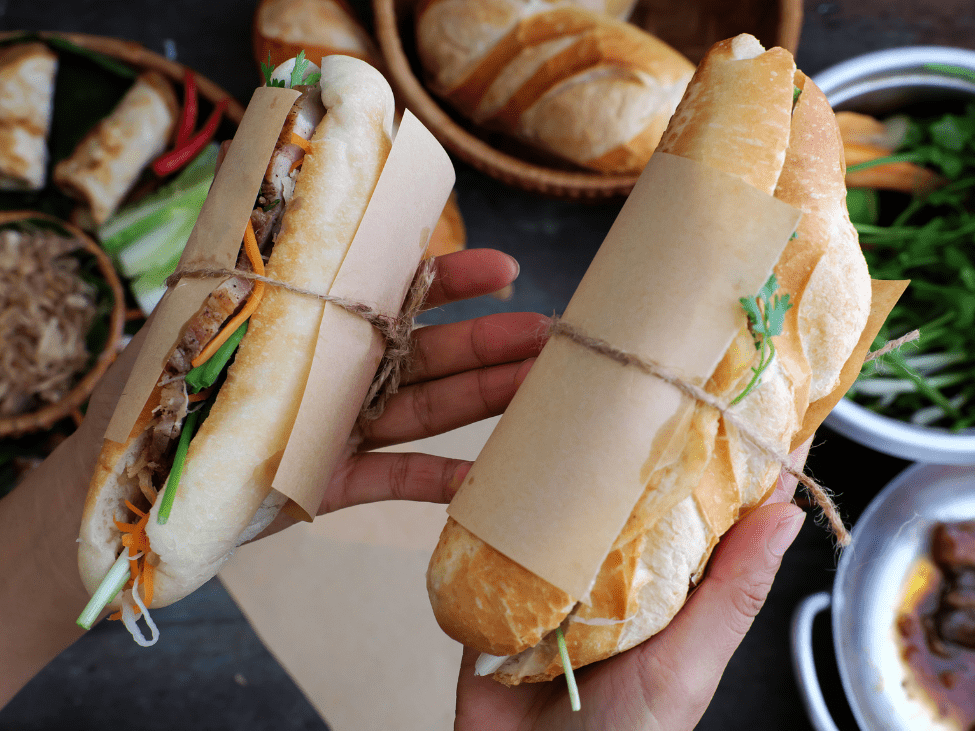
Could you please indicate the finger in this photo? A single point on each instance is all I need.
(443, 350)
(689, 656)
(470, 273)
(785, 485)
(369, 477)
(426, 409)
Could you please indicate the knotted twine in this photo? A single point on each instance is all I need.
(768, 448)
(396, 330)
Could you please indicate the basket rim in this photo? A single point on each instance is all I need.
(508, 168)
(471, 149)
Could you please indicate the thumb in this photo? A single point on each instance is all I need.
(701, 639)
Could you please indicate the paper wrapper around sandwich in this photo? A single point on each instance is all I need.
(377, 270)
(560, 475)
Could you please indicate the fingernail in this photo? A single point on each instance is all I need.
(517, 267)
(457, 479)
(785, 533)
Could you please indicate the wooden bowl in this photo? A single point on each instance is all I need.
(46, 416)
(691, 27)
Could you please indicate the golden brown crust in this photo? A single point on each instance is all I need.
(226, 481)
(580, 85)
(644, 580)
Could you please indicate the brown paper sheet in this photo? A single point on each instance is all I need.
(341, 603)
(572, 453)
(883, 298)
(214, 242)
(411, 193)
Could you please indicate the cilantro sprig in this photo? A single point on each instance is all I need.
(925, 238)
(766, 317)
(299, 74)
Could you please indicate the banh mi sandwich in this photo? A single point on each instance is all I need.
(27, 73)
(749, 113)
(109, 159)
(193, 481)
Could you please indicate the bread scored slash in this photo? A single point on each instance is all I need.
(738, 115)
(576, 84)
(225, 495)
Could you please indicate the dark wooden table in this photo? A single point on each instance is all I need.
(213, 672)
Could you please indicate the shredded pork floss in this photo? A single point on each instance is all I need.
(46, 310)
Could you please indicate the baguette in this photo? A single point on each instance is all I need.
(737, 116)
(580, 85)
(283, 28)
(321, 28)
(225, 495)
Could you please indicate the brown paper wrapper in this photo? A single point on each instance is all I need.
(573, 451)
(883, 298)
(377, 270)
(214, 242)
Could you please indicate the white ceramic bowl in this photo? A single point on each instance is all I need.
(880, 83)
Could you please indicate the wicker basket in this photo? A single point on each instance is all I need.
(139, 58)
(691, 27)
(46, 416)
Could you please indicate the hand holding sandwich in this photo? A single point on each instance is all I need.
(465, 371)
(668, 681)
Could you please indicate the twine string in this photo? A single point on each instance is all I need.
(397, 331)
(765, 446)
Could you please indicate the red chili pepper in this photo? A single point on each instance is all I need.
(187, 119)
(174, 160)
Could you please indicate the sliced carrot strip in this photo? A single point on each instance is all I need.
(257, 263)
(301, 142)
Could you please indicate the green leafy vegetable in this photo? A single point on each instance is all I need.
(299, 73)
(172, 484)
(766, 316)
(147, 239)
(206, 374)
(570, 677)
(111, 585)
(927, 239)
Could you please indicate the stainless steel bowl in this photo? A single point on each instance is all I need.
(880, 84)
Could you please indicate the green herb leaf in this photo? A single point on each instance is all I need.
(766, 318)
(300, 67)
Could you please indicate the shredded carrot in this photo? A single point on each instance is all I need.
(201, 396)
(301, 142)
(135, 540)
(304, 145)
(257, 263)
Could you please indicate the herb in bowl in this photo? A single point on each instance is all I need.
(926, 237)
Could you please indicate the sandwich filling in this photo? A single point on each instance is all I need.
(191, 378)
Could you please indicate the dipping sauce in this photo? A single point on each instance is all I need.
(936, 625)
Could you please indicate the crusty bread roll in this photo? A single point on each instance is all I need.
(737, 116)
(108, 161)
(225, 495)
(27, 72)
(282, 28)
(580, 85)
(321, 28)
